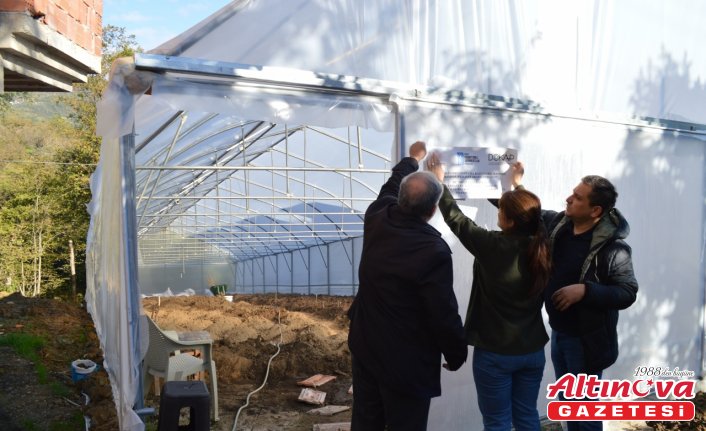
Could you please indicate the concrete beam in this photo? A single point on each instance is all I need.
(49, 60)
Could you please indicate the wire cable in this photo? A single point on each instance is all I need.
(267, 373)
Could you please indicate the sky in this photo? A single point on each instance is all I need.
(156, 21)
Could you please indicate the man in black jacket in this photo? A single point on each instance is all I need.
(592, 278)
(405, 315)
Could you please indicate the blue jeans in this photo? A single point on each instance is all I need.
(507, 387)
(567, 357)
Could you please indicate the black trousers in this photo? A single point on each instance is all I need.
(375, 406)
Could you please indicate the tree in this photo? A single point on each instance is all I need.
(45, 169)
(26, 226)
(72, 184)
(6, 100)
(85, 98)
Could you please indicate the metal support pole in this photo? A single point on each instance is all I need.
(129, 240)
(400, 130)
(702, 362)
(309, 271)
(353, 267)
(252, 275)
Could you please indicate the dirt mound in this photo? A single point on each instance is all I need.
(44, 396)
(312, 332)
(697, 424)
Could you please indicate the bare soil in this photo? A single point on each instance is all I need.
(311, 331)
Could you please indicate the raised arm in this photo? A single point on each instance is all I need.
(466, 230)
(391, 189)
(516, 172)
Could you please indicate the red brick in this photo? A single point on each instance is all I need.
(83, 37)
(98, 6)
(98, 44)
(39, 7)
(72, 8)
(97, 24)
(62, 4)
(73, 28)
(14, 5)
(61, 20)
(83, 13)
(50, 19)
(91, 20)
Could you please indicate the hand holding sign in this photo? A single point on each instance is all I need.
(475, 172)
(434, 166)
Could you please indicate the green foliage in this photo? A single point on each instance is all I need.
(27, 204)
(59, 389)
(28, 425)
(85, 98)
(26, 345)
(45, 168)
(7, 99)
(76, 422)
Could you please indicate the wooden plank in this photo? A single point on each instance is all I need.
(316, 380)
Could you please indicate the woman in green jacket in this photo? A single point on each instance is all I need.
(504, 319)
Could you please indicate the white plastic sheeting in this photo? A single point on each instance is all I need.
(581, 68)
(659, 175)
(109, 298)
(631, 58)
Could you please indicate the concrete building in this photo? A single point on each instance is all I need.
(48, 45)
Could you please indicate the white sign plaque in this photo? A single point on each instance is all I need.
(477, 172)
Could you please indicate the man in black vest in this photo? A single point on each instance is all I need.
(592, 278)
(405, 315)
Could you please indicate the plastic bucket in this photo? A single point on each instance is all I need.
(82, 368)
(219, 289)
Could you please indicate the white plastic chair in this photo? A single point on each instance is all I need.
(165, 360)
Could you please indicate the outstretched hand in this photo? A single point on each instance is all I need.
(418, 150)
(434, 166)
(516, 172)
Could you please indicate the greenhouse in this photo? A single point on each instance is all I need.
(244, 152)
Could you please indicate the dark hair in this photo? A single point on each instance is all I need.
(419, 193)
(603, 193)
(525, 210)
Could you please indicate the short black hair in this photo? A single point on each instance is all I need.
(420, 193)
(603, 193)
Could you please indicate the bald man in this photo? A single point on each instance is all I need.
(405, 315)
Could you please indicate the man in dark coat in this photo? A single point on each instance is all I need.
(592, 278)
(405, 315)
